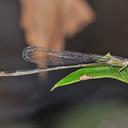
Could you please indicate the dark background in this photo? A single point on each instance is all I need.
(27, 100)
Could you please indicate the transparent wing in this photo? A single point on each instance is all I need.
(54, 57)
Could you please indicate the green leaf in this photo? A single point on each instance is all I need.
(94, 71)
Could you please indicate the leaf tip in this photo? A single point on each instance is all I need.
(54, 87)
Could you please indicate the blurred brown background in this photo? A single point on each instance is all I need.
(29, 100)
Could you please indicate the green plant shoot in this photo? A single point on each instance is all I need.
(106, 67)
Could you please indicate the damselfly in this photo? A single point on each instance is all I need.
(63, 60)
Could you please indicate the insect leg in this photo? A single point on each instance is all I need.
(122, 68)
